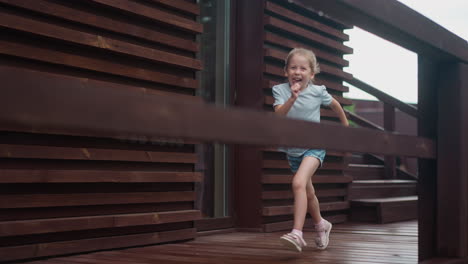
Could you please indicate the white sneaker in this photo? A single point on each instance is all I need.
(322, 234)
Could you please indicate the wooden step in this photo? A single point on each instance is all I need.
(384, 210)
(365, 172)
(382, 189)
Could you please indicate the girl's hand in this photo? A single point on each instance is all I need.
(295, 90)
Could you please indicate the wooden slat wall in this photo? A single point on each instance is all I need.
(62, 194)
(290, 25)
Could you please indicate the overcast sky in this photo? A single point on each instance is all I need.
(391, 68)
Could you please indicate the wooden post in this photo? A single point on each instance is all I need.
(389, 125)
(452, 161)
(248, 93)
(427, 127)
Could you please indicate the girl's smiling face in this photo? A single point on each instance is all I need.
(299, 71)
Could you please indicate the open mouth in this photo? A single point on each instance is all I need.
(296, 80)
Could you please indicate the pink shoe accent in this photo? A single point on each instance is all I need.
(293, 241)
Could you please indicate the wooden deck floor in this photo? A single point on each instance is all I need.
(351, 243)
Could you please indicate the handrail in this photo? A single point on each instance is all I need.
(397, 23)
(388, 99)
(127, 113)
(362, 121)
(405, 173)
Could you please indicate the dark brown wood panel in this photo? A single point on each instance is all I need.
(428, 70)
(80, 199)
(101, 65)
(45, 152)
(50, 79)
(209, 224)
(41, 226)
(290, 44)
(180, 5)
(95, 41)
(452, 166)
(63, 194)
(314, 37)
(153, 14)
(20, 214)
(248, 93)
(289, 14)
(94, 176)
(90, 18)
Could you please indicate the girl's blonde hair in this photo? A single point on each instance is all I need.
(314, 66)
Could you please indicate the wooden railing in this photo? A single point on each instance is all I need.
(153, 117)
(442, 116)
(442, 226)
(390, 103)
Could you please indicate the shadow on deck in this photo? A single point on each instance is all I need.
(350, 243)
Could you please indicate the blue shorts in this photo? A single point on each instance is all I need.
(295, 162)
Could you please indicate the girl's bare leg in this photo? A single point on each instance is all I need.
(302, 194)
(313, 205)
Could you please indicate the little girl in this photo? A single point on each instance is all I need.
(299, 98)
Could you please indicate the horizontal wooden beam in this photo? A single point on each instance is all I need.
(397, 23)
(94, 176)
(42, 226)
(153, 14)
(73, 153)
(83, 199)
(290, 44)
(359, 120)
(35, 102)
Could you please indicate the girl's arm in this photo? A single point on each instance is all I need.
(336, 107)
(284, 108)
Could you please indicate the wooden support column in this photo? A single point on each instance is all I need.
(248, 94)
(389, 125)
(427, 127)
(452, 161)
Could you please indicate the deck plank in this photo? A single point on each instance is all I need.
(351, 243)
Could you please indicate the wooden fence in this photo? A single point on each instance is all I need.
(66, 192)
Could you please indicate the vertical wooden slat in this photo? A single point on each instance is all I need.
(249, 68)
(452, 161)
(389, 125)
(427, 184)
